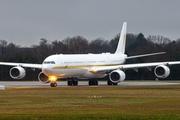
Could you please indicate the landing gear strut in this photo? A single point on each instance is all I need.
(53, 84)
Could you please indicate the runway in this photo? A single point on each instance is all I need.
(14, 84)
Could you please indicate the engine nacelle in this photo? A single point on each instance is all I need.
(162, 71)
(43, 78)
(17, 72)
(117, 76)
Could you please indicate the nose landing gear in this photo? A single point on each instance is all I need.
(53, 81)
(53, 84)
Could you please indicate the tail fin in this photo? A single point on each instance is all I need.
(122, 40)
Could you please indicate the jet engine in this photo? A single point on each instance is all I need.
(117, 76)
(17, 72)
(43, 78)
(162, 71)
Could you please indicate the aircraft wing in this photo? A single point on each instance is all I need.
(131, 66)
(39, 66)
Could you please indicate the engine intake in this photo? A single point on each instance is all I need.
(117, 76)
(162, 71)
(17, 72)
(43, 78)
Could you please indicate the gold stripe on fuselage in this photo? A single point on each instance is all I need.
(85, 66)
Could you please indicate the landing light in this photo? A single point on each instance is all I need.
(94, 70)
(52, 78)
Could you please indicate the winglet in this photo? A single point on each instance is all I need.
(122, 40)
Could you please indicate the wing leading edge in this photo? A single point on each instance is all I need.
(39, 66)
(132, 66)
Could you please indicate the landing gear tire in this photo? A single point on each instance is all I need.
(93, 82)
(111, 83)
(90, 82)
(115, 83)
(53, 84)
(70, 82)
(75, 83)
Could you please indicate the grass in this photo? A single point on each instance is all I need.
(69, 103)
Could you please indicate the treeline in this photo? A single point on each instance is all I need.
(135, 45)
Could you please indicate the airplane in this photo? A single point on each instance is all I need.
(74, 67)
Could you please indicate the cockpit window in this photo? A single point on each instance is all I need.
(49, 62)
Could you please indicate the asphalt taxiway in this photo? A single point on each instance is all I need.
(14, 84)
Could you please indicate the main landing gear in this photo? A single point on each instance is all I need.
(53, 84)
(72, 82)
(111, 83)
(93, 82)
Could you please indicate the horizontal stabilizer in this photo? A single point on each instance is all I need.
(137, 56)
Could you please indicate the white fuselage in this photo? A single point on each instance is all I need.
(78, 66)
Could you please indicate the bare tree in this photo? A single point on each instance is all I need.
(58, 47)
(43, 50)
(76, 45)
(3, 44)
(157, 39)
(99, 45)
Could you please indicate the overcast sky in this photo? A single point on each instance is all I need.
(25, 22)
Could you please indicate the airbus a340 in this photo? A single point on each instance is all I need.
(74, 67)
